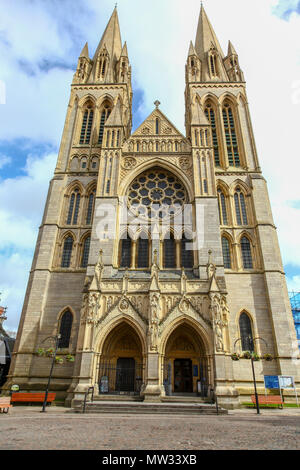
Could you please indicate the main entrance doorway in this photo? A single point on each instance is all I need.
(183, 376)
(120, 368)
(186, 365)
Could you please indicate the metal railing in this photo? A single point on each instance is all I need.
(89, 390)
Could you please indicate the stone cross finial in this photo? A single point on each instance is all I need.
(157, 103)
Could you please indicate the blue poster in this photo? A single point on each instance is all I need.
(196, 373)
(271, 381)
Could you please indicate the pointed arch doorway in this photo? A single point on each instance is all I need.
(120, 368)
(186, 363)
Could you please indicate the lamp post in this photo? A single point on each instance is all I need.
(253, 370)
(56, 339)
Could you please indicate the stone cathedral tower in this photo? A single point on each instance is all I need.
(157, 256)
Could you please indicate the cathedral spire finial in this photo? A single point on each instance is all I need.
(157, 103)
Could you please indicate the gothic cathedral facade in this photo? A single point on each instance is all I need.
(157, 257)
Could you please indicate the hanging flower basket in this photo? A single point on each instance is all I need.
(235, 357)
(41, 352)
(50, 352)
(255, 357)
(59, 360)
(247, 355)
(70, 358)
(268, 357)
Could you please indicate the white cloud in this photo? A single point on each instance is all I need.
(22, 203)
(293, 283)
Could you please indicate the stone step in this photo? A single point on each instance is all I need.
(149, 408)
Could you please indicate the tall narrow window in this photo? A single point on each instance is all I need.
(118, 138)
(226, 253)
(125, 261)
(85, 252)
(157, 126)
(65, 329)
(222, 208)
(87, 124)
(246, 333)
(73, 208)
(143, 253)
(213, 65)
(240, 208)
(90, 209)
(67, 252)
(113, 138)
(107, 138)
(231, 138)
(246, 253)
(104, 116)
(169, 252)
(210, 114)
(187, 260)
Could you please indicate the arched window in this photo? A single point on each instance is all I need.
(125, 258)
(240, 208)
(226, 253)
(67, 252)
(65, 329)
(246, 253)
(246, 333)
(210, 114)
(222, 208)
(169, 252)
(74, 207)
(231, 138)
(104, 116)
(90, 209)
(87, 123)
(213, 69)
(85, 251)
(143, 253)
(187, 259)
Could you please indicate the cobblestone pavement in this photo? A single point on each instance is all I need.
(26, 428)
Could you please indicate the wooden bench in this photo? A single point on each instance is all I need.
(268, 400)
(32, 397)
(5, 404)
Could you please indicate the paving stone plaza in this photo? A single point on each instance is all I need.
(25, 428)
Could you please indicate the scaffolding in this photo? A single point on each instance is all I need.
(295, 303)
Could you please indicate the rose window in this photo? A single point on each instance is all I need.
(156, 193)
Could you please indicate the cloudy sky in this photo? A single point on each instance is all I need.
(40, 42)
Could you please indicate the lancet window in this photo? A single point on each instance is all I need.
(74, 207)
(65, 329)
(231, 136)
(246, 253)
(104, 116)
(67, 252)
(87, 124)
(211, 116)
(246, 333)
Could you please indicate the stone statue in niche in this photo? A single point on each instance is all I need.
(153, 322)
(216, 314)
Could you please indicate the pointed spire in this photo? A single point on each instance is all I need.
(198, 116)
(192, 50)
(115, 118)
(231, 49)
(85, 51)
(206, 36)
(111, 38)
(124, 52)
